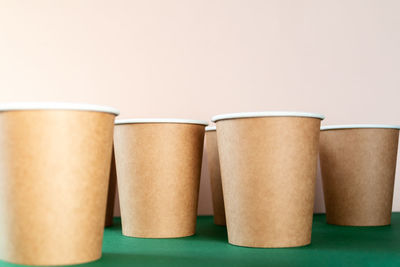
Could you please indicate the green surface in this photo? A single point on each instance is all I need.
(331, 246)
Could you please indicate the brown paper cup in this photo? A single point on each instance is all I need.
(54, 169)
(158, 167)
(215, 175)
(358, 164)
(112, 185)
(268, 166)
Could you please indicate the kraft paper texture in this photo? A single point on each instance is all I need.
(268, 168)
(215, 177)
(358, 168)
(112, 184)
(158, 170)
(54, 169)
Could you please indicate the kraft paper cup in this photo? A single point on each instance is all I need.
(358, 165)
(158, 168)
(54, 169)
(112, 185)
(268, 167)
(215, 175)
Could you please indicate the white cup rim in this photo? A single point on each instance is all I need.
(18, 106)
(360, 126)
(160, 120)
(266, 114)
(211, 128)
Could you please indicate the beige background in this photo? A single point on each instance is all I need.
(194, 59)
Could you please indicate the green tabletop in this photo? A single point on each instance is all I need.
(331, 246)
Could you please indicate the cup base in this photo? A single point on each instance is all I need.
(359, 224)
(159, 236)
(219, 221)
(269, 245)
(52, 263)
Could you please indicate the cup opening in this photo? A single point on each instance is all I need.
(360, 126)
(266, 114)
(138, 121)
(18, 106)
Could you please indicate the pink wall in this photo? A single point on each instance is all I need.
(195, 59)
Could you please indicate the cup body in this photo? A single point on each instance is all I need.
(215, 177)
(358, 167)
(268, 167)
(112, 186)
(158, 169)
(54, 168)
